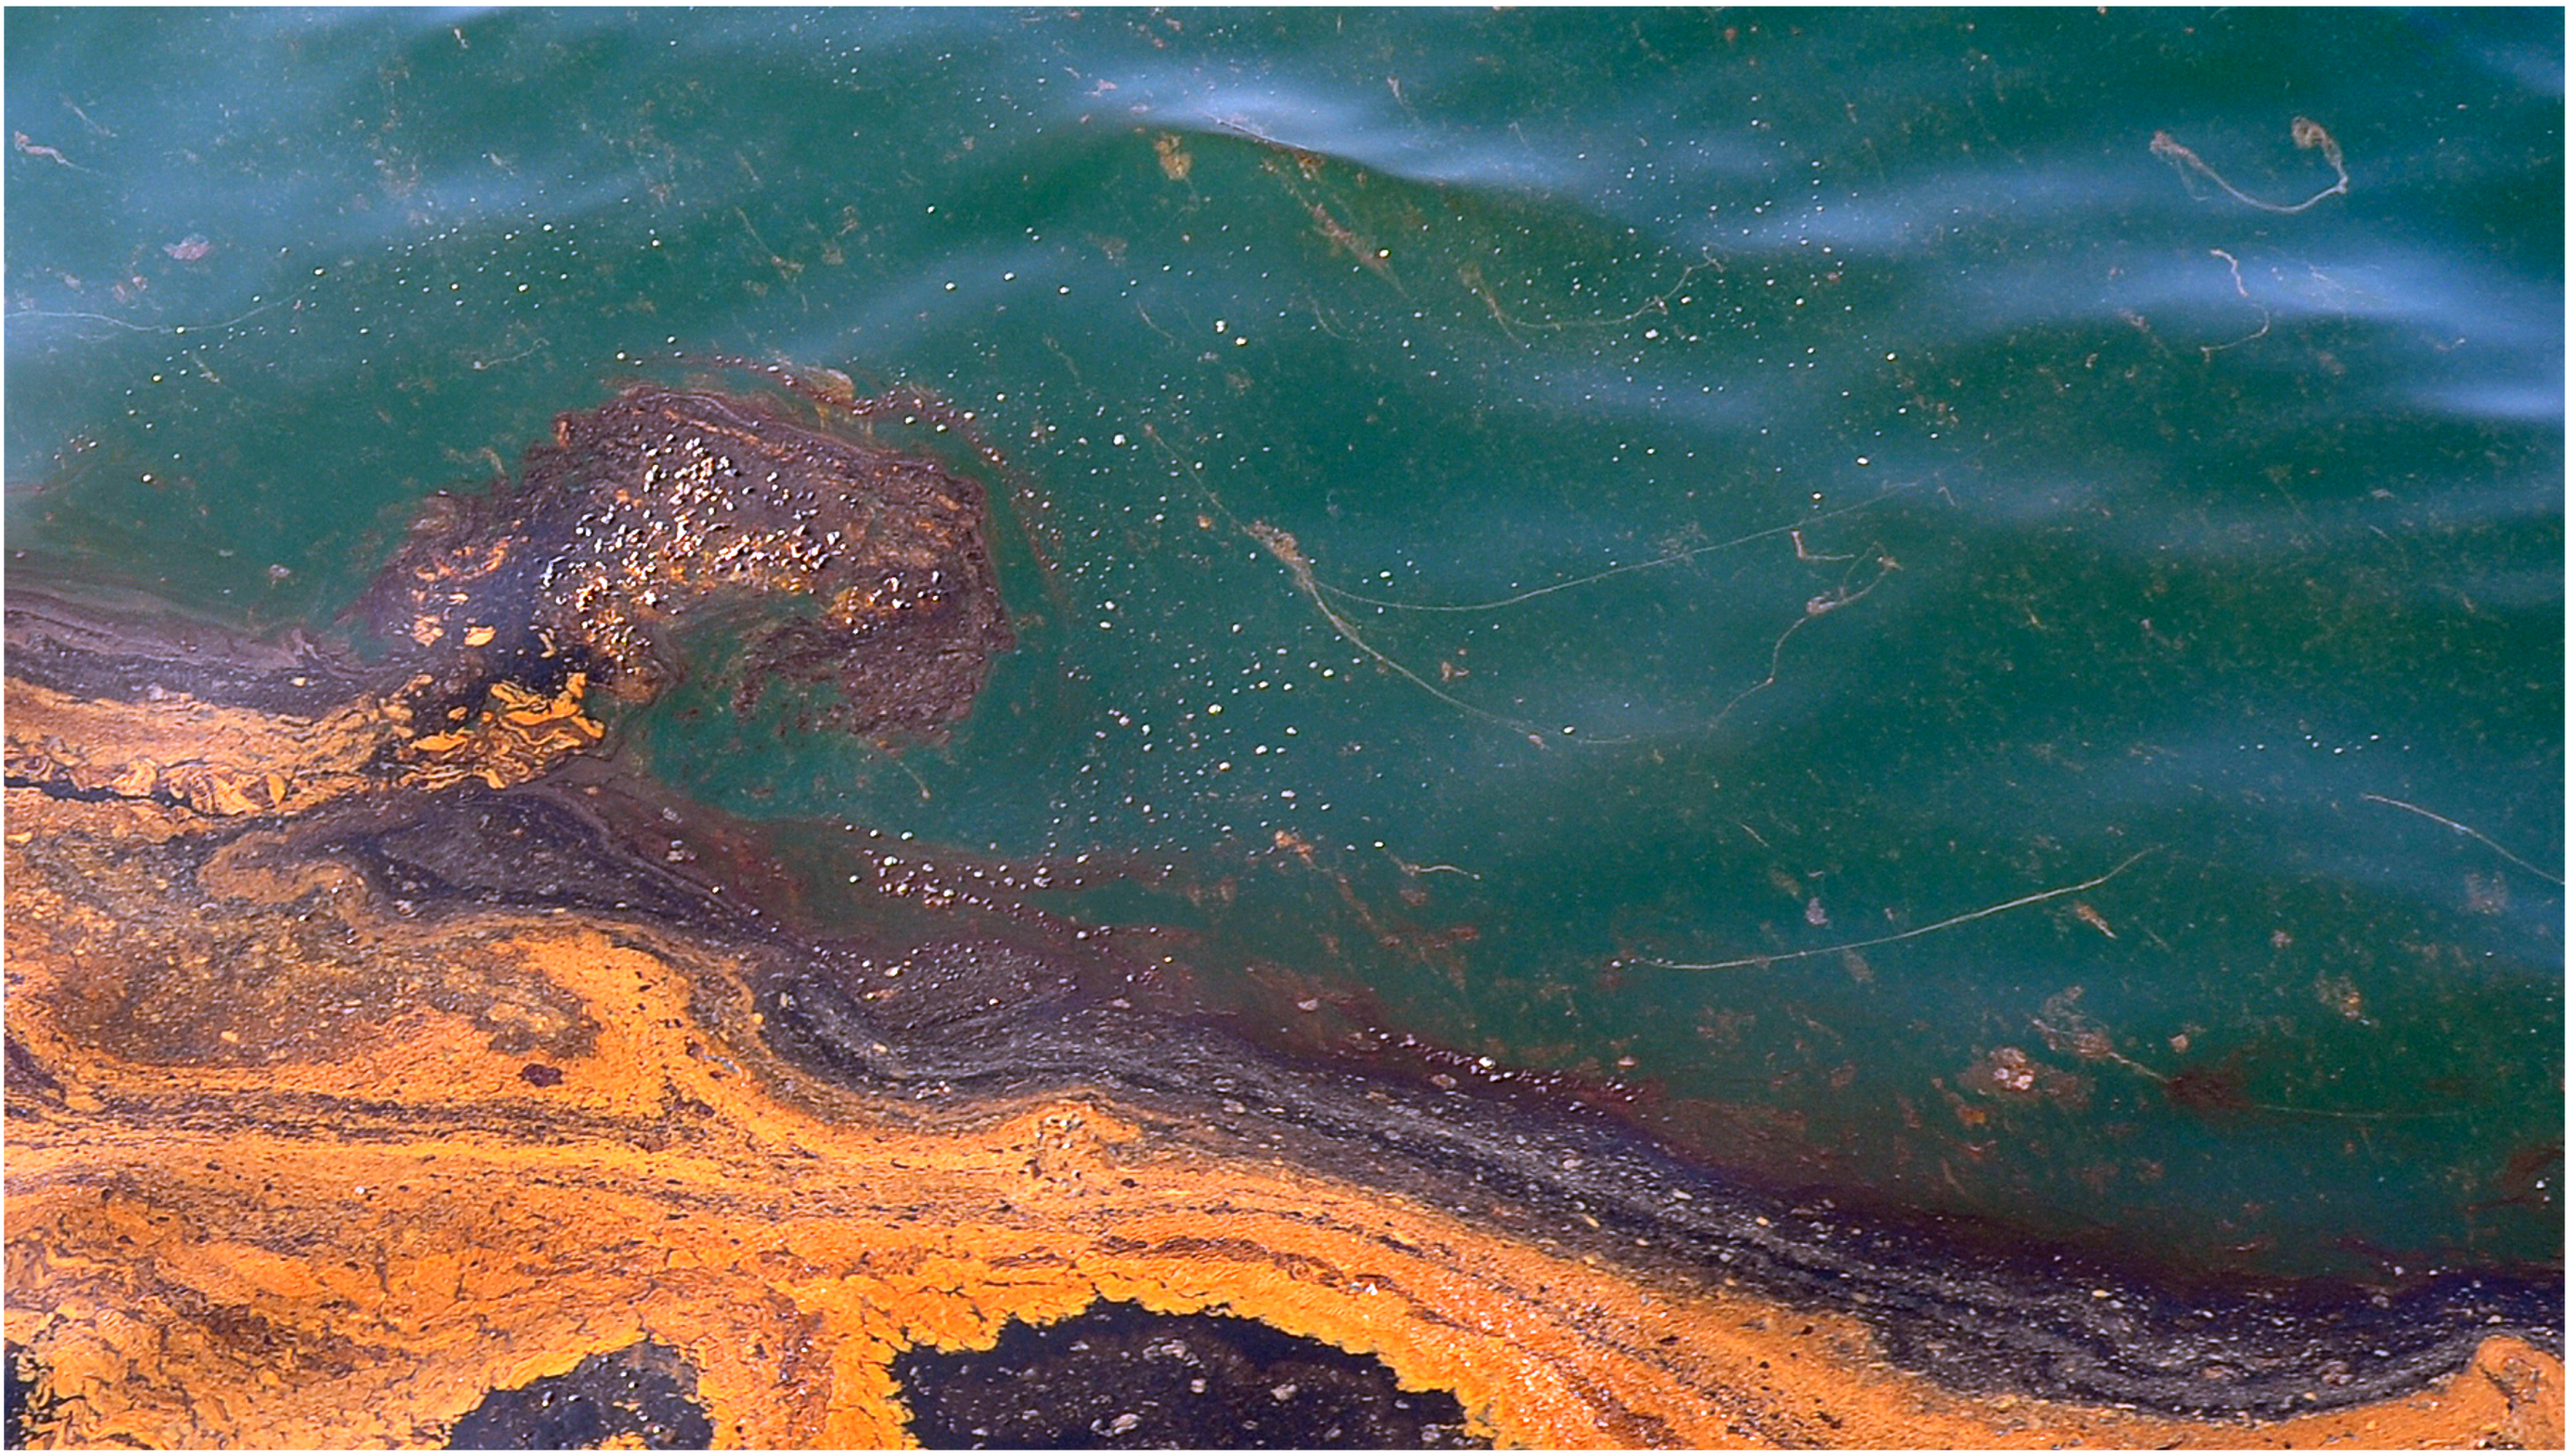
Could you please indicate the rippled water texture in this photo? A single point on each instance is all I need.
(1923, 601)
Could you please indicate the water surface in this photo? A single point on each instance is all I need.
(1822, 497)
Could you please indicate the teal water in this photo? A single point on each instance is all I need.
(1770, 483)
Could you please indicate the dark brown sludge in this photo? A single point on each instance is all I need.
(669, 512)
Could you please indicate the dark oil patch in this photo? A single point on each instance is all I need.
(664, 512)
(88, 643)
(30, 1403)
(527, 849)
(1117, 1376)
(946, 984)
(643, 1394)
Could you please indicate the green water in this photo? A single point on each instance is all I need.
(1898, 491)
